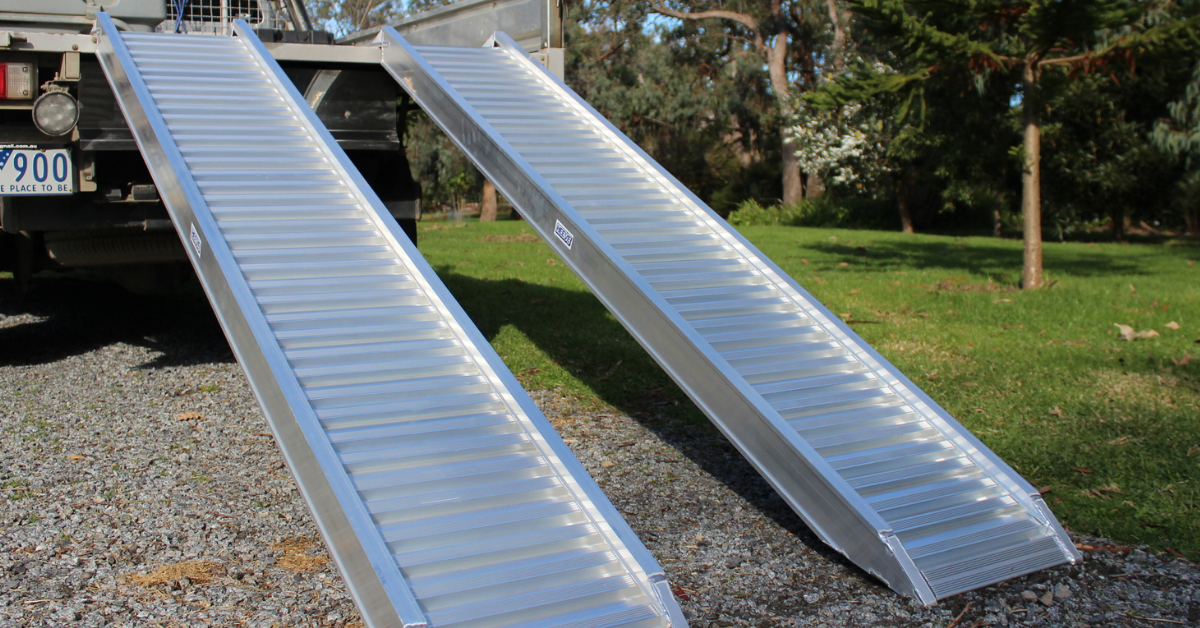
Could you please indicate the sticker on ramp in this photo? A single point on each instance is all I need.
(195, 238)
(563, 234)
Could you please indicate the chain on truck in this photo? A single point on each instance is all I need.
(74, 190)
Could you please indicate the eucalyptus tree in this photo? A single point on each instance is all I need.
(794, 39)
(342, 17)
(691, 97)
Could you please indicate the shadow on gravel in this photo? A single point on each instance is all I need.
(72, 314)
(579, 334)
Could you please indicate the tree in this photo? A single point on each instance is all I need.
(1179, 135)
(1099, 152)
(487, 202)
(844, 146)
(1023, 39)
(342, 17)
(936, 148)
(693, 98)
(446, 176)
(779, 32)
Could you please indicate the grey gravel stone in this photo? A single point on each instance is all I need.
(1029, 596)
(104, 482)
(1062, 592)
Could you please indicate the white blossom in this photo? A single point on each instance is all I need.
(844, 146)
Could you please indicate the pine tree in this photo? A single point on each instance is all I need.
(1023, 39)
(1180, 135)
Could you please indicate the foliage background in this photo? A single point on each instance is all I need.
(1121, 139)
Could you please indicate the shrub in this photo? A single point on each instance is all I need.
(821, 212)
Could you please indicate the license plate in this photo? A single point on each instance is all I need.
(36, 171)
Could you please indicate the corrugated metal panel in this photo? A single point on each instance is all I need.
(870, 462)
(445, 496)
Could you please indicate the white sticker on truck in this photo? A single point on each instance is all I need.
(563, 234)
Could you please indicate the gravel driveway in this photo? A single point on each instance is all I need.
(139, 486)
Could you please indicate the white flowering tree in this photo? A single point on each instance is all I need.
(840, 139)
(845, 146)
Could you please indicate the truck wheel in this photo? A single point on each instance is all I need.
(109, 247)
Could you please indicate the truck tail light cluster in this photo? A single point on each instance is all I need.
(16, 80)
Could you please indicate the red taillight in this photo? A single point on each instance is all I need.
(16, 82)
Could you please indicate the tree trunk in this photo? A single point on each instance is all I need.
(737, 140)
(1031, 181)
(998, 205)
(814, 187)
(1117, 214)
(901, 180)
(793, 188)
(839, 36)
(487, 204)
(1192, 221)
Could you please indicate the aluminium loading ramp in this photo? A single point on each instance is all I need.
(870, 462)
(444, 495)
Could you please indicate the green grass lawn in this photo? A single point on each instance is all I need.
(1109, 430)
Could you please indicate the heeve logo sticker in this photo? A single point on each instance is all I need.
(195, 238)
(563, 234)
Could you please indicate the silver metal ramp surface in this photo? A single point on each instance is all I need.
(873, 465)
(444, 495)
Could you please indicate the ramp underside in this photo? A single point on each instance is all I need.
(444, 495)
(870, 462)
